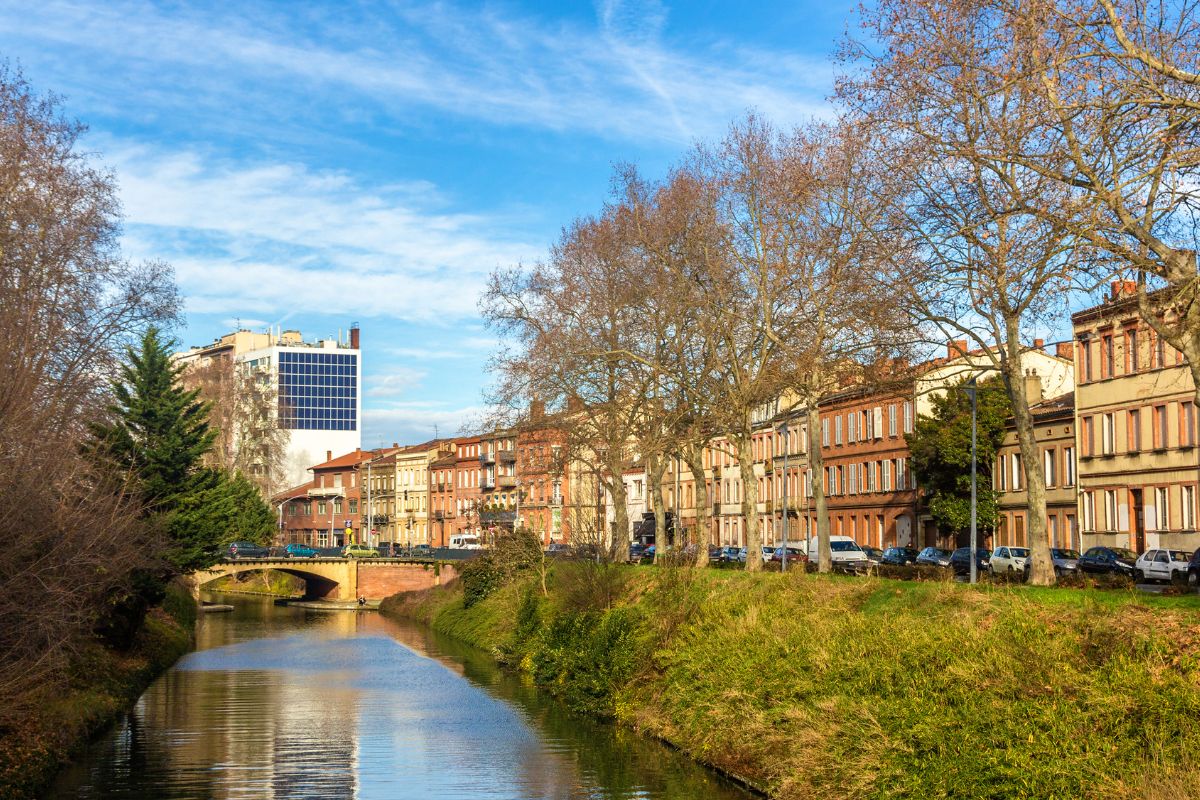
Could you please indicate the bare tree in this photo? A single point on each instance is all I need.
(244, 412)
(68, 304)
(955, 93)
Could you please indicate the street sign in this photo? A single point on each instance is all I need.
(349, 523)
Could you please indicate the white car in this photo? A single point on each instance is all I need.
(844, 551)
(1008, 559)
(1161, 565)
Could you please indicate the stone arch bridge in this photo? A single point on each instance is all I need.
(340, 578)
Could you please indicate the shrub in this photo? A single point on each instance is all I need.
(589, 586)
(914, 572)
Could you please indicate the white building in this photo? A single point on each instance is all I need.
(318, 387)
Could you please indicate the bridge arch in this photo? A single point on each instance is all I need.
(323, 580)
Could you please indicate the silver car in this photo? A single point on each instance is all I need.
(1008, 559)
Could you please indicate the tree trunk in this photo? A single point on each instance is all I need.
(1041, 570)
(694, 456)
(745, 453)
(655, 467)
(619, 546)
(816, 462)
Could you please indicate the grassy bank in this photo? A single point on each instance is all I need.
(268, 582)
(102, 684)
(816, 686)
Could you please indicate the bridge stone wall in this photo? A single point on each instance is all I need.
(341, 579)
(379, 580)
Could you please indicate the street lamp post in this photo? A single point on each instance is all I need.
(974, 527)
(783, 430)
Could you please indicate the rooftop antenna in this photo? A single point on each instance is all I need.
(435, 431)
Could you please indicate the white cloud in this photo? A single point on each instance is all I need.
(395, 382)
(414, 422)
(276, 238)
(490, 64)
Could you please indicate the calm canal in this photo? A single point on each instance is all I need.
(282, 702)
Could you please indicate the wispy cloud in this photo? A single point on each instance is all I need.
(493, 63)
(274, 237)
(414, 422)
(395, 382)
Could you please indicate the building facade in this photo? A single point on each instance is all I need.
(1136, 437)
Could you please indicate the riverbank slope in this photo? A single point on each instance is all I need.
(102, 684)
(823, 686)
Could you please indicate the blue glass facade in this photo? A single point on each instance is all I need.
(318, 391)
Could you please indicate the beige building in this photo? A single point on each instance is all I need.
(1136, 431)
(1054, 432)
(412, 518)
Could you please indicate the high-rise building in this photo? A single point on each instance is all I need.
(315, 389)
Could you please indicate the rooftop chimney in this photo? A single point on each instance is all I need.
(537, 409)
(1033, 387)
(1039, 343)
(329, 455)
(354, 338)
(1065, 350)
(1123, 289)
(956, 348)
(395, 445)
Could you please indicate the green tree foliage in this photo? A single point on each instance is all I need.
(253, 519)
(158, 433)
(941, 454)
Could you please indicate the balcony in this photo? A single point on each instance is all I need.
(326, 491)
(556, 500)
(486, 482)
(486, 458)
(508, 456)
(507, 482)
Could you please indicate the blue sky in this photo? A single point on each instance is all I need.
(313, 165)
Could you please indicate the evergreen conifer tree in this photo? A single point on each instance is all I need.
(158, 434)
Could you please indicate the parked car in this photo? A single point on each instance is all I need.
(359, 551)
(933, 557)
(960, 560)
(637, 551)
(1193, 572)
(247, 550)
(794, 555)
(1161, 565)
(562, 549)
(741, 556)
(899, 556)
(1009, 560)
(1065, 562)
(874, 554)
(844, 552)
(296, 550)
(1116, 560)
(420, 551)
(728, 555)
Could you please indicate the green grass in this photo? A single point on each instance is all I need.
(830, 686)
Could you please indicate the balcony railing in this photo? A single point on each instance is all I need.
(508, 456)
(556, 500)
(487, 483)
(506, 482)
(325, 491)
(486, 458)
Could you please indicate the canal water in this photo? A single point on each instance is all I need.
(282, 702)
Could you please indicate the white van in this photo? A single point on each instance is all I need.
(844, 551)
(465, 541)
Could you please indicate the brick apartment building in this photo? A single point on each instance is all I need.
(328, 510)
(467, 496)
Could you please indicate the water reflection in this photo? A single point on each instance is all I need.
(294, 703)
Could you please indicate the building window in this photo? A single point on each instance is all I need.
(852, 427)
(901, 476)
(1106, 356)
(892, 419)
(837, 429)
(1085, 360)
(1087, 510)
(1068, 466)
(353, 506)
(908, 416)
(1087, 435)
(852, 479)
(321, 508)
(1110, 510)
(870, 469)
(1160, 352)
(825, 432)
(1162, 516)
(1107, 434)
(1160, 427)
(1002, 475)
(885, 468)
(1049, 473)
(337, 506)
(1187, 507)
(1134, 431)
(1187, 424)
(1131, 350)
(1015, 474)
